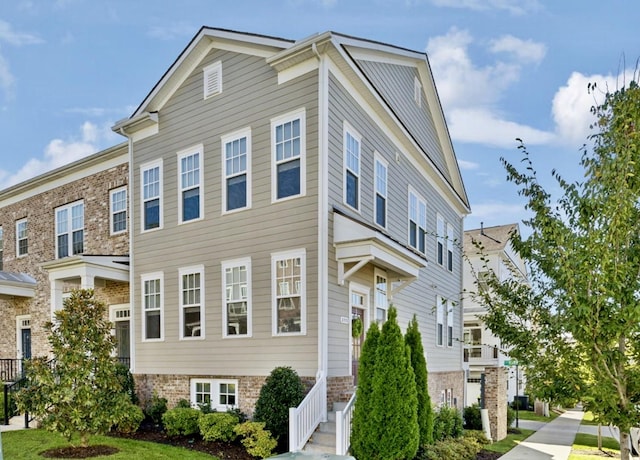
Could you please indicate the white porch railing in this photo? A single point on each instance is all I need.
(304, 419)
(343, 427)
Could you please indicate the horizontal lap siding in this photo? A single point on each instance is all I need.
(250, 98)
(420, 296)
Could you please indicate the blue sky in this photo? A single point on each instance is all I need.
(504, 69)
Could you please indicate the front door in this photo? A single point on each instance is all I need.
(359, 304)
(122, 341)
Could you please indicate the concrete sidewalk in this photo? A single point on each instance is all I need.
(553, 441)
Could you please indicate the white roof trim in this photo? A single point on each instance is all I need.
(114, 268)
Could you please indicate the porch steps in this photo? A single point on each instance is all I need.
(323, 439)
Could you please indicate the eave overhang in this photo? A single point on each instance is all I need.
(114, 268)
(16, 285)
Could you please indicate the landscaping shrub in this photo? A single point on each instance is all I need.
(472, 418)
(241, 416)
(447, 424)
(282, 389)
(126, 381)
(181, 421)
(465, 448)
(413, 339)
(218, 426)
(12, 405)
(131, 421)
(155, 408)
(478, 435)
(511, 416)
(183, 403)
(256, 439)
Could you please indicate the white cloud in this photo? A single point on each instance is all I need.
(497, 211)
(60, 152)
(8, 35)
(517, 7)
(172, 31)
(470, 93)
(572, 103)
(526, 51)
(467, 165)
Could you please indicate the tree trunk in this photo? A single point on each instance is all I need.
(624, 445)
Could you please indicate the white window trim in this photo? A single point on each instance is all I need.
(296, 114)
(190, 271)
(441, 228)
(68, 207)
(356, 288)
(419, 200)
(214, 396)
(378, 159)
(275, 257)
(449, 324)
(196, 149)
(348, 129)
(112, 192)
(18, 222)
(440, 312)
(245, 132)
(245, 261)
(216, 67)
(151, 277)
(19, 327)
(449, 248)
(382, 273)
(145, 167)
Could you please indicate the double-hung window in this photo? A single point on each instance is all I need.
(236, 283)
(151, 194)
(352, 142)
(118, 206)
(381, 296)
(152, 306)
(190, 180)
(289, 292)
(417, 222)
(236, 158)
(219, 395)
(381, 191)
(449, 323)
(288, 153)
(22, 238)
(450, 247)
(440, 312)
(440, 240)
(191, 302)
(70, 230)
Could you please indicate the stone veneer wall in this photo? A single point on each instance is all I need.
(442, 381)
(495, 400)
(39, 210)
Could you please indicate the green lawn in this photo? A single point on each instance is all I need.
(27, 444)
(588, 419)
(509, 442)
(585, 447)
(530, 415)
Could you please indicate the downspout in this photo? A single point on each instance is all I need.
(132, 316)
(323, 214)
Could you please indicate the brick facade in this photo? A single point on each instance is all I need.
(441, 382)
(495, 400)
(38, 207)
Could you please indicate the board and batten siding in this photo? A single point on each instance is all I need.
(250, 98)
(420, 296)
(396, 85)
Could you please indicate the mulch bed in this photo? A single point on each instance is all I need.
(487, 455)
(79, 452)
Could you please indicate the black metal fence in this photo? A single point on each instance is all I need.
(10, 370)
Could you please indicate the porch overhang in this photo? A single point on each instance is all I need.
(16, 285)
(88, 267)
(358, 244)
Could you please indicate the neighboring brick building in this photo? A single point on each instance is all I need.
(64, 229)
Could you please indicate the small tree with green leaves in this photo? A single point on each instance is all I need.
(363, 442)
(79, 392)
(413, 339)
(394, 403)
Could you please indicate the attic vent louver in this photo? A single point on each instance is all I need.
(212, 79)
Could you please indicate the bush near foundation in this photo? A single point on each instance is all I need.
(447, 424)
(181, 421)
(256, 439)
(218, 426)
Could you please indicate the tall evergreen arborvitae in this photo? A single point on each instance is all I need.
(394, 403)
(363, 443)
(413, 339)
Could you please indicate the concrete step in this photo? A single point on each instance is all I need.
(328, 427)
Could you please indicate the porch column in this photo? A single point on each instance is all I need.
(495, 400)
(56, 295)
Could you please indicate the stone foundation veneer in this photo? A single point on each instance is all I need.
(495, 400)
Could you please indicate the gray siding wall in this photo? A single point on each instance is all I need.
(419, 297)
(396, 85)
(250, 98)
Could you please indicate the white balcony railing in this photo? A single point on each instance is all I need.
(343, 427)
(304, 419)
